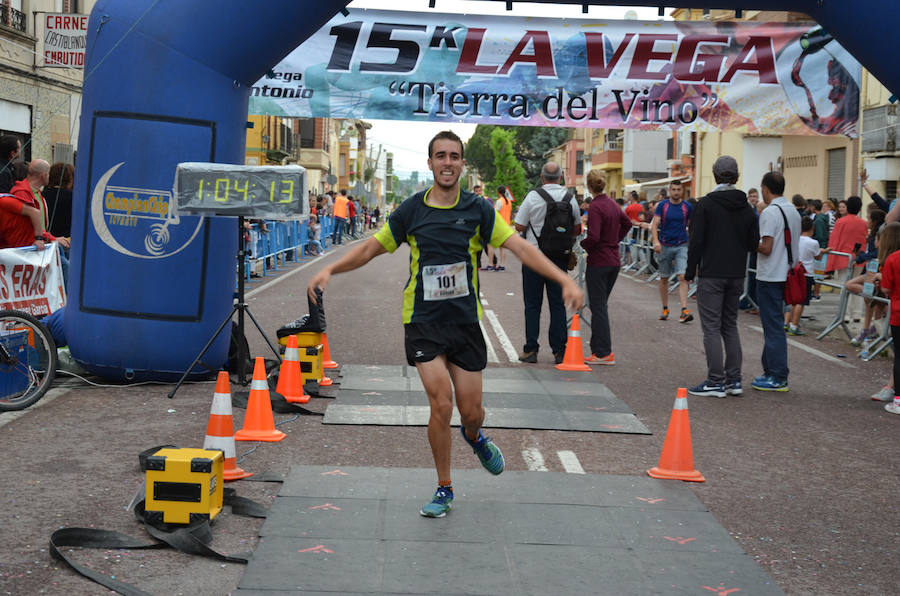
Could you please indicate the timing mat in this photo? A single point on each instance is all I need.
(520, 397)
(358, 531)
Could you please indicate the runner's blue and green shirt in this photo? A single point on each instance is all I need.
(444, 245)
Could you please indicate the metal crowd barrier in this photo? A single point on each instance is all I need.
(285, 241)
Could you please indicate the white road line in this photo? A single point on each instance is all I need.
(491, 353)
(502, 337)
(534, 460)
(812, 351)
(570, 462)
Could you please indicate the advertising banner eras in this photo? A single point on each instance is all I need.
(755, 78)
(31, 280)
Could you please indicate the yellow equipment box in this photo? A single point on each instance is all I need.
(184, 485)
(305, 339)
(310, 363)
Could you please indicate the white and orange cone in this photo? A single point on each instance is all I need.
(259, 422)
(220, 429)
(290, 383)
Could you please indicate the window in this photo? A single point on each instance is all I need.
(890, 190)
(579, 163)
(11, 14)
(66, 5)
(307, 133)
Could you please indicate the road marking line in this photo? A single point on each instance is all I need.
(570, 462)
(812, 351)
(491, 353)
(534, 460)
(502, 337)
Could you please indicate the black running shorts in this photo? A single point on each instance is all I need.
(462, 344)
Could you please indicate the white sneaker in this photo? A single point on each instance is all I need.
(885, 394)
(893, 408)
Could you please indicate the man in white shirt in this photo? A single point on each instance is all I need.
(772, 268)
(530, 220)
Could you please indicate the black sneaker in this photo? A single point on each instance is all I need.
(529, 357)
(558, 357)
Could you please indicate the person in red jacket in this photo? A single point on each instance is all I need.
(23, 213)
(607, 225)
(849, 235)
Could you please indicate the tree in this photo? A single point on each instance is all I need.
(508, 170)
(531, 142)
(478, 151)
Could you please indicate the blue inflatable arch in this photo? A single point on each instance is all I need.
(168, 82)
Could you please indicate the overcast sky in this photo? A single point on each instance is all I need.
(408, 141)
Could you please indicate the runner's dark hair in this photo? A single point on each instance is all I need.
(450, 135)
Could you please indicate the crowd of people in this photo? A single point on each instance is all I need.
(35, 201)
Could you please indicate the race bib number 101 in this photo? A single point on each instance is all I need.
(442, 282)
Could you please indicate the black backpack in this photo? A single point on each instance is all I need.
(558, 234)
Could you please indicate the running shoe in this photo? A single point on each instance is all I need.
(885, 394)
(795, 331)
(893, 408)
(500, 268)
(665, 314)
(734, 388)
(529, 357)
(440, 503)
(863, 335)
(709, 389)
(769, 384)
(488, 454)
(607, 360)
(686, 316)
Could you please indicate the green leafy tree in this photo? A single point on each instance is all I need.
(531, 142)
(478, 151)
(508, 171)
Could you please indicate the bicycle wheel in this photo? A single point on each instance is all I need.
(27, 360)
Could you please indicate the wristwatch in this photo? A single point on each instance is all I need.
(38, 237)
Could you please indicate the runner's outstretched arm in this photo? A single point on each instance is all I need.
(356, 258)
(535, 260)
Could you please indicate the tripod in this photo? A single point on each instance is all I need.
(241, 307)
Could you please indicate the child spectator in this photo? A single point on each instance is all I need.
(889, 278)
(874, 308)
(809, 250)
(314, 242)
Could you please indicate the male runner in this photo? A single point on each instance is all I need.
(445, 227)
(669, 231)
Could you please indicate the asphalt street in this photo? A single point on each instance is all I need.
(806, 482)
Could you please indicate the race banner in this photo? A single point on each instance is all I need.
(755, 78)
(31, 280)
(64, 40)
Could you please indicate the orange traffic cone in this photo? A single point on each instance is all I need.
(677, 459)
(220, 430)
(574, 357)
(289, 382)
(259, 423)
(327, 362)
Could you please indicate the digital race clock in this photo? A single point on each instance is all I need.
(265, 192)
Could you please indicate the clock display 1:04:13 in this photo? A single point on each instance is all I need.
(223, 187)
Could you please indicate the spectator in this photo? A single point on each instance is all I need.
(669, 231)
(314, 236)
(848, 236)
(841, 209)
(874, 308)
(772, 268)
(799, 204)
(809, 251)
(503, 206)
(23, 215)
(352, 213)
(753, 197)
(341, 211)
(888, 278)
(10, 147)
(530, 219)
(607, 226)
(823, 223)
(876, 198)
(724, 230)
(59, 198)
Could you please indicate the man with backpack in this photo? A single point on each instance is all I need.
(549, 218)
(669, 230)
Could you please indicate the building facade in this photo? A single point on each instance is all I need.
(41, 71)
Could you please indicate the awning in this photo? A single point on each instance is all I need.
(656, 184)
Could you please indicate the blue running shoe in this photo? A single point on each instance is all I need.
(769, 384)
(709, 389)
(440, 503)
(734, 388)
(488, 454)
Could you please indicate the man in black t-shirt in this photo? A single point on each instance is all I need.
(446, 228)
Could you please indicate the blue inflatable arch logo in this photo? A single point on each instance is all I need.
(169, 82)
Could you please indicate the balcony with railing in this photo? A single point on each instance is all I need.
(12, 18)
